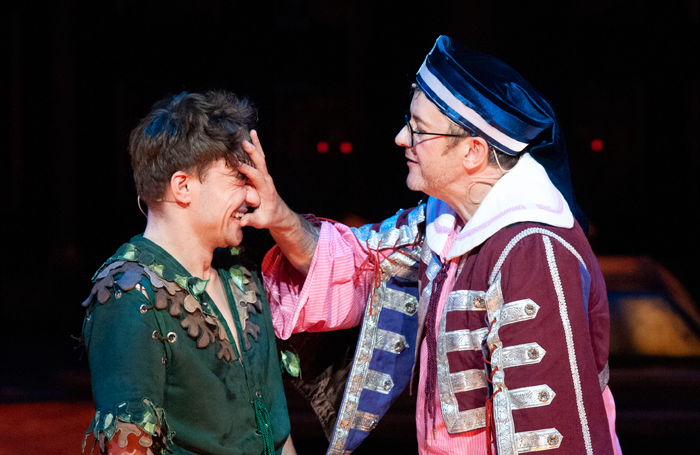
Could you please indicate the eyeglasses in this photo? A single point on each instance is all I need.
(411, 132)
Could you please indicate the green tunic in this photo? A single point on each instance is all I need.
(165, 360)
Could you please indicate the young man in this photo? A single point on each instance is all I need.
(489, 288)
(178, 331)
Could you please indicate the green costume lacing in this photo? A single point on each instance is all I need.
(262, 418)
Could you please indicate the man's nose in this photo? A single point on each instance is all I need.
(401, 138)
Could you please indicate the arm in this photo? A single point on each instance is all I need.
(313, 276)
(552, 387)
(331, 296)
(128, 374)
(294, 235)
(288, 448)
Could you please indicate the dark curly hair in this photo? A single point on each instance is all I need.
(188, 132)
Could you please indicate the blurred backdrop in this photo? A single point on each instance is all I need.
(331, 81)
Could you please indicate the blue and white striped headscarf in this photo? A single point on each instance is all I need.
(488, 97)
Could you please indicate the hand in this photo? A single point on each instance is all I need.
(293, 234)
(272, 213)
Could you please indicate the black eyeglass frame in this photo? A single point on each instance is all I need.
(411, 132)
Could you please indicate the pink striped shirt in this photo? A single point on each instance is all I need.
(333, 296)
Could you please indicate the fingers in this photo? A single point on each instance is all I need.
(253, 174)
(256, 142)
(253, 219)
(255, 151)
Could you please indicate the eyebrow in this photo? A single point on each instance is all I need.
(418, 119)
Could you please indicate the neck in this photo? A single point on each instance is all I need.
(184, 245)
(467, 200)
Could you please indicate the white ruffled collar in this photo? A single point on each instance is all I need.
(525, 194)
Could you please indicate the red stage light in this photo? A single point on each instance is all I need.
(345, 148)
(596, 145)
(322, 147)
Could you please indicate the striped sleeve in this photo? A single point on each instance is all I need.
(333, 294)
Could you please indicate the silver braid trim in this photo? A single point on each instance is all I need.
(521, 236)
(563, 311)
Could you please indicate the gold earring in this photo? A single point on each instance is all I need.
(138, 202)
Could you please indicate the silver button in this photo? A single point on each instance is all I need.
(529, 309)
(552, 439)
(387, 385)
(543, 396)
(410, 308)
(533, 354)
(479, 302)
(143, 309)
(118, 294)
(399, 346)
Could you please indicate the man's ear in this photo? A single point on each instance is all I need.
(477, 156)
(181, 187)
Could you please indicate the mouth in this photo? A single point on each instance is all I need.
(238, 215)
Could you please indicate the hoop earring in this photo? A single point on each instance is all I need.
(138, 202)
(469, 191)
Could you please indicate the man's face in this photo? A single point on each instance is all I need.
(220, 202)
(432, 163)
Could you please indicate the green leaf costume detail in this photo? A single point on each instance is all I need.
(199, 286)
(290, 362)
(147, 416)
(237, 277)
(182, 281)
(129, 254)
(157, 269)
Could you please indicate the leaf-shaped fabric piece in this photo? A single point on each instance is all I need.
(226, 351)
(146, 258)
(141, 417)
(103, 286)
(199, 286)
(290, 362)
(191, 304)
(157, 269)
(198, 329)
(252, 330)
(107, 269)
(182, 281)
(125, 429)
(237, 277)
(132, 275)
(255, 307)
(161, 300)
(129, 253)
(177, 301)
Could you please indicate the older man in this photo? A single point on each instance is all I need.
(489, 287)
(178, 331)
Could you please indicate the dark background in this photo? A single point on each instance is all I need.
(78, 75)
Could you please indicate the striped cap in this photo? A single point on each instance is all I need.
(482, 94)
(489, 98)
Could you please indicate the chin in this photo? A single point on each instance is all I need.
(412, 184)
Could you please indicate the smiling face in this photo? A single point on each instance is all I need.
(218, 204)
(433, 164)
